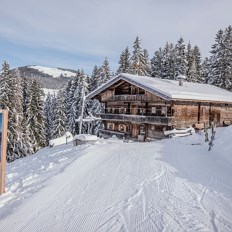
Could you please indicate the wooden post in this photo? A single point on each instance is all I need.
(82, 109)
(199, 113)
(3, 147)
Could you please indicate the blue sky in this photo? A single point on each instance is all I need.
(80, 34)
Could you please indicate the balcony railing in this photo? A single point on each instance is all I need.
(138, 111)
(139, 119)
(139, 97)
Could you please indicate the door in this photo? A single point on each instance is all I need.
(135, 131)
(216, 117)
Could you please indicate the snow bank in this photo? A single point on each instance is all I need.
(86, 137)
(61, 140)
(180, 132)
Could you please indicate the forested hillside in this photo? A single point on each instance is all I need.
(50, 78)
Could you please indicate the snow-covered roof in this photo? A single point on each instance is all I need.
(170, 89)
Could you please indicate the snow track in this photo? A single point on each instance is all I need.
(118, 187)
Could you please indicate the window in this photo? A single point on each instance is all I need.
(142, 111)
(153, 110)
(142, 131)
(121, 110)
(163, 110)
(122, 128)
(110, 126)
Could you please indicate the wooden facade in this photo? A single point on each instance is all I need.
(133, 112)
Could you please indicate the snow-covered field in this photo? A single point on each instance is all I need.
(168, 185)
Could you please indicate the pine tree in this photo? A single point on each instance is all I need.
(94, 80)
(35, 116)
(193, 66)
(228, 58)
(180, 63)
(94, 106)
(221, 60)
(190, 60)
(138, 64)
(147, 62)
(11, 98)
(104, 73)
(77, 104)
(205, 71)
(162, 64)
(71, 97)
(124, 62)
(168, 61)
(197, 60)
(4, 85)
(48, 118)
(157, 64)
(59, 121)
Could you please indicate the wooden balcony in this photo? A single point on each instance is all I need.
(159, 120)
(129, 98)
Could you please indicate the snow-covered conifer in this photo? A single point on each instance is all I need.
(94, 80)
(59, 120)
(35, 116)
(180, 63)
(157, 64)
(221, 60)
(124, 62)
(137, 62)
(104, 73)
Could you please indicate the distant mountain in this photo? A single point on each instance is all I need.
(50, 78)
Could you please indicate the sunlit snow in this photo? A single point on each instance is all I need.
(55, 72)
(168, 185)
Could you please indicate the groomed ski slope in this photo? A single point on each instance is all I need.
(168, 185)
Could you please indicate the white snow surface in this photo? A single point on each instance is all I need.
(68, 137)
(168, 185)
(86, 137)
(55, 72)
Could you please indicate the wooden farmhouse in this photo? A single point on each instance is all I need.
(139, 106)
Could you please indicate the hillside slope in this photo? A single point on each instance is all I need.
(168, 185)
(50, 78)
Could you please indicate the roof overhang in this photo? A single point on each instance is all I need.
(127, 79)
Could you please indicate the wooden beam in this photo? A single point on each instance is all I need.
(3, 146)
(120, 83)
